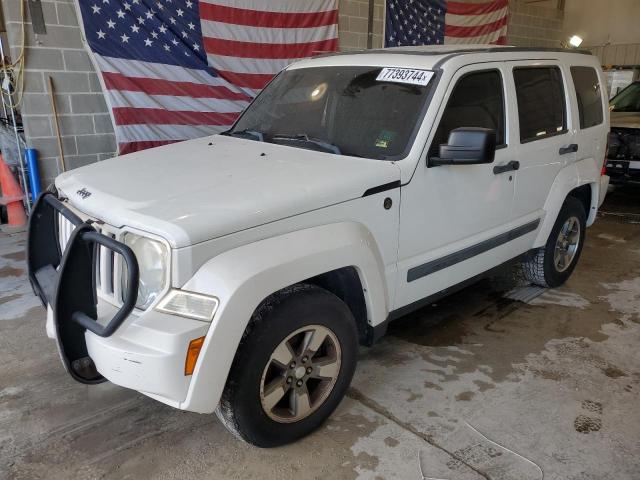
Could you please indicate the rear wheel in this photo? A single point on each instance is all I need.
(292, 368)
(552, 265)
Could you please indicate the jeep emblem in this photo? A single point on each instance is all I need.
(84, 193)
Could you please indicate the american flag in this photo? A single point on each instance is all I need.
(179, 69)
(437, 22)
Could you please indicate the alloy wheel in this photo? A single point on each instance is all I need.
(300, 374)
(567, 244)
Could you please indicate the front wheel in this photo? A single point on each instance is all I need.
(552, 265)
(293, 366)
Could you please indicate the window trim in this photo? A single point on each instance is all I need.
(505, 119)
(565, 117)
(578, 103)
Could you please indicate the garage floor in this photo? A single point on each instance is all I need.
(477, 386)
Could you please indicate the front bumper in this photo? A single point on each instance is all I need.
(98, 341)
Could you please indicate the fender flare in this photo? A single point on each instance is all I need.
(583, 172)
(243, 277)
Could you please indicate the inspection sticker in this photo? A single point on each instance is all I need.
(405, 75)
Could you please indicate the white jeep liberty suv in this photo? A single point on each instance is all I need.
(238, 273)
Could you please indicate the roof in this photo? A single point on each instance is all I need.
(429, 56)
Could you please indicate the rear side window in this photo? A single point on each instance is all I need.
(476, 101)
(541, 105)
(585, 79)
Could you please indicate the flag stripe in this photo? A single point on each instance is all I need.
(137, 68)
(130, 147)
(231, 48)
(269, 66)
(471, 20)
(467, 8)
(244, 33)
(159, 132)
(284, 6)
(489, 38)
(161, 116)
(123, 98)
(454, 31)
(256, 81)
(255, 18)
(156, 86)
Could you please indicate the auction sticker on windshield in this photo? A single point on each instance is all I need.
(405, 75)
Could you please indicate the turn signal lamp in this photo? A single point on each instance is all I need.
(193, 352)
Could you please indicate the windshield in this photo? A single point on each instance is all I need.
(628, 100)
(341, 110)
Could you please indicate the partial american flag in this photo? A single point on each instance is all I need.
(179, 69)
(436, 22)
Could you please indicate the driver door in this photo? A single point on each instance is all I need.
(453, 217)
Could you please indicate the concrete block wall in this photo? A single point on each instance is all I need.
(532, 26)
(353, 23)
(85, 125)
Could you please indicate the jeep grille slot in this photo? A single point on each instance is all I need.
(65, 227)
(105, 268)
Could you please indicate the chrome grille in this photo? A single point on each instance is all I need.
(108, 263)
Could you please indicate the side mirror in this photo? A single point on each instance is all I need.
(467, 146)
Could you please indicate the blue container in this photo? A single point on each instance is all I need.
(31, 156)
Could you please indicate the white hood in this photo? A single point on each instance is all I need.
(201, 189)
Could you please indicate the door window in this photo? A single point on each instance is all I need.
(476, 101)
(541, 105)
(585, 80)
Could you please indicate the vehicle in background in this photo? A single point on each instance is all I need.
(623, 156)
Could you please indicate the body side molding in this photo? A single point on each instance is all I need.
(449, 260)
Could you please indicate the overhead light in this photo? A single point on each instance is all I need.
(575, 41)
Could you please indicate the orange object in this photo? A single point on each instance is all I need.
(192, 355)
(11, 196)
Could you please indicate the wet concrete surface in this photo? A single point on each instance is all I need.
(476, 386)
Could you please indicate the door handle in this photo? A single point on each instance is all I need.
(507, 167)
(569, 149)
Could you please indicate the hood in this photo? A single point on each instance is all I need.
(201, 189)
(625, 119)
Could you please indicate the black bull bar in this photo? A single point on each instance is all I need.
(66, 280)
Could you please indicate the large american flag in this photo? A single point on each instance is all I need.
(179, 69)
(436, 22)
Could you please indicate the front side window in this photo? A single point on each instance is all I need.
(541, 105)
(585, 80)
(342, 110)
(477, 100)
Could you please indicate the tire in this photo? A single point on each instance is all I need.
(245, 406)
(541, 267)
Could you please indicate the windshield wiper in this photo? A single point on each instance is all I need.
(303, 137)
(247, 131)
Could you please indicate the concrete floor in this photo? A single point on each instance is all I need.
(477, 386)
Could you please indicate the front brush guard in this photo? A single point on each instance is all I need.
(66, 280)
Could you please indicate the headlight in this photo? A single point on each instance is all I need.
(152, 259)
(189, 304)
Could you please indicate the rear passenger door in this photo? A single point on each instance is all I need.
(545, 140)
(591, 136)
